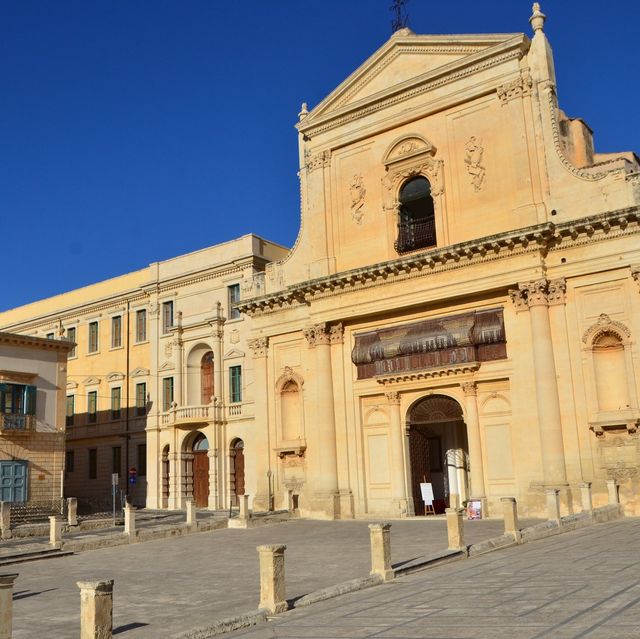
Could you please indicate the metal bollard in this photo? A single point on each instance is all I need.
(380, 537)
(96, 609)
(272, 586)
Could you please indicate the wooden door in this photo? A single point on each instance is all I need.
(201, 478)
(206, 378)
(239, 471)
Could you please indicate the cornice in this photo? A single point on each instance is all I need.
(542, 237)
(442, 371)
(11, 339)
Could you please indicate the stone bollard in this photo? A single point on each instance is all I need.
(553, 504)
(380, 536)
(612, 489)
(55, 532)
(130, 522)
(272, 588)
(244, 508)
(6, 604)
(5, 520)
(587, 497)
(72, 511)
(96, 609)
(290, 501)
(192, 517)
(510, 511)
(455, 532)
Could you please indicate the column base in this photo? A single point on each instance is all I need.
(321, 505)
(346, 506)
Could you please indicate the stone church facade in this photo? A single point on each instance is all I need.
(461, 306)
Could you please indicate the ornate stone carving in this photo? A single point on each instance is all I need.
(536, 292)
(234, 336)
(317, 161)
(317, 334)
(518, 299)
(393, 397)
(259, 346)
(407, 147)
(473, 151)
(357, 193)
(557, 290)
(469, 388)
(289, 375)
(154, 310)
(517, 88)
(635, 273)
(603, 325)
(168, 348)
(336, 333)
(430, 168)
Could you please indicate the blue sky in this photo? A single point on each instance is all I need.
(133, 131)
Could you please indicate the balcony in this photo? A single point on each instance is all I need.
(415, 234)
(15, 423)
(189, 414)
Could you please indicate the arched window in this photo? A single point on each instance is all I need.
(416, 221)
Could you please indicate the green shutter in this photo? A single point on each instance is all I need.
(30, 400)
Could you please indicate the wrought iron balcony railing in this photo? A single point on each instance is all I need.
(415, 234)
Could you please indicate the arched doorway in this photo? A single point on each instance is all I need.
(165, 476)
(438, 451)
(236, 470)
(200, 449)
(206, 378)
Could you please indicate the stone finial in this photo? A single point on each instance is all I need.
(538, 18)
(304, 112)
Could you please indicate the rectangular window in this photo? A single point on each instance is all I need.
(93, 337)
(69, 461)
(49, 335)
(233, 292)
(18, 399)
(71, 409)
(141, 399)
(116, 459)
(92, 407)
(142, 460)
(93, 463)
(235, 384)
(116, 395)
(167, 316)
(141, 325)
(116, 331)
(167, 393)
(71, 336)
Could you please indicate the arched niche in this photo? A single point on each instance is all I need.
(290, 409)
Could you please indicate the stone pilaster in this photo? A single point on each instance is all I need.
(475, 444)
(260, 349)
(214, 499)
(217, 332)
(399, 494)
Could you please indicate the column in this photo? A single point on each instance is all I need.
(213, 503)
(399, 494)
(546, 384)
(322, 458)
(261, 452)
(153, 425)
(217, 327)
(175, 480)
(475, 444)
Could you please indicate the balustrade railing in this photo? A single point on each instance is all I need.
(13, 422)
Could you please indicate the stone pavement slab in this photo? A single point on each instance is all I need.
(171, 585)
(579, 585)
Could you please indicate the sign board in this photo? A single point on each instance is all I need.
(114, 479)
(133, 475)
(427, 494)
(474, 509)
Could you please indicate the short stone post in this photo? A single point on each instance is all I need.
(72, 511)
(290, 500)
(5, 520)
(244, 508)
(272, 587)
(130, 522)
(380, 535)
(612, 489)
(192, 518)
(96, 609)
(587, 497)
(553, 504)
(455, 532)
(6, 604)
(510, 511)
(55, 532)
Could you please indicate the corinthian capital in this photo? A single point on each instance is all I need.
(259, 346)
(393, 397)
(557, 290)
(536, 292)
(469, 388)
(317, 334)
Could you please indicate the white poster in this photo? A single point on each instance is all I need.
(427, 494)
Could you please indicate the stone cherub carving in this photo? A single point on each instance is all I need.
(357, 192)
(473, 151)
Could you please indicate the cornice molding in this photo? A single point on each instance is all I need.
(542, 237)
(442, 371)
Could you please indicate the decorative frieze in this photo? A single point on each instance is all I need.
(431, 373)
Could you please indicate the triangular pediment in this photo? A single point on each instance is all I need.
(408, 59)
(234, 353)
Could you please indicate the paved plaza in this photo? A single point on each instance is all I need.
(582, 584)
(579, 584)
